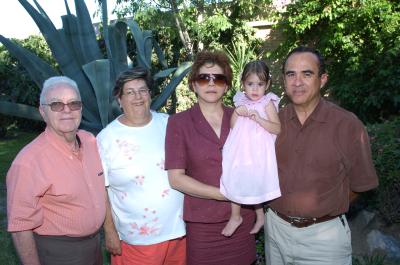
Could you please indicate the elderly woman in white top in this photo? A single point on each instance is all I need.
(144, 214)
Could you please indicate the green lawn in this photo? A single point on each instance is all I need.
(9, 148)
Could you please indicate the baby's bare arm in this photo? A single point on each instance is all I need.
(272, 124)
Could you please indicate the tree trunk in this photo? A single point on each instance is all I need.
(183, 34)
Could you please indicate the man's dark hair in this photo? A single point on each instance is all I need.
(301, 49)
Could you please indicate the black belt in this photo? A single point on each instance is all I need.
(301, 222)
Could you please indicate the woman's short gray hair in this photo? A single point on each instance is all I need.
(54, 82)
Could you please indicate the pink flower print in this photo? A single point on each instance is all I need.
(128, 149)
(161, 164)
(165, 193)
(150, 211)
(146, 230)
(123, 194)
(139, 180)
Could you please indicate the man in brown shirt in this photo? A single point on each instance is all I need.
(324, 161)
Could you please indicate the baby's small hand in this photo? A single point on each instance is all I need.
(242, 111)
(254, 115)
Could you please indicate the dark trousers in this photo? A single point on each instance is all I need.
(63, 250)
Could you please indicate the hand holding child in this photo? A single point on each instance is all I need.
(242, 111)
(254, 115)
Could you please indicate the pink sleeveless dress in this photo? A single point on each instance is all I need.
(249, 169)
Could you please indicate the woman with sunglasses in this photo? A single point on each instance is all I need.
(194, 144)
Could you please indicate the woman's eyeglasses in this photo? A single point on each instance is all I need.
(218, 79)
(59, 106)
(142, 92)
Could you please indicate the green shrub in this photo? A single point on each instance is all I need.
(385, 145)
(360, 41)
(17, 86)
(370, 260)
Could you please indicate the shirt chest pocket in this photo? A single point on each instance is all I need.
(324, 162)
(68, 186)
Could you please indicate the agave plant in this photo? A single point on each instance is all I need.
(239, 56)
(76, 50)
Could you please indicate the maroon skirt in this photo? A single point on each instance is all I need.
(207, 246)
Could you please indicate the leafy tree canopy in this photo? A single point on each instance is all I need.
(194, 25)
(361, 41)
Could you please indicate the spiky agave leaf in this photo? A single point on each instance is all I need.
(20, 110)
(118, 46)
(76, 44)
(87, 36)
(179, 74)
(38, 69)
(160, 55)
(147, 45)
(140, 44)
(66, 58)
(99, 74)
(164, 73)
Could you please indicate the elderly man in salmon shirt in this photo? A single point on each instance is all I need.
(55, 186)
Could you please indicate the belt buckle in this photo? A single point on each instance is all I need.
(294, 220)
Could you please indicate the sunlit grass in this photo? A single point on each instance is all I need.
(9, 148)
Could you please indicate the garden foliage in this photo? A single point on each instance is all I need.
(75, 48)
(209, 24)
(361, 41)
(16, 85)
(385, 143)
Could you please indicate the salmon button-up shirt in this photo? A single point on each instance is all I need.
(54, 191)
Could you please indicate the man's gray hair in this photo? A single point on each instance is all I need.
(54, 82)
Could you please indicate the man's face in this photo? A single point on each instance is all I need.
(302, 81)
(67, 120)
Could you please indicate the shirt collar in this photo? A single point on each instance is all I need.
(58, 143)
(320, 113)
(204, 128)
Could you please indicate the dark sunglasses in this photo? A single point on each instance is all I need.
(218, 79)
(59, 106)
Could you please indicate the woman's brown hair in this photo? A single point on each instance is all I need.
(211, 58)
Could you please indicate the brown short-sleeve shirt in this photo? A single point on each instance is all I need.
(321, 161)
(191, 144)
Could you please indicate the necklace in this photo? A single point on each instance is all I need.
(75, 148)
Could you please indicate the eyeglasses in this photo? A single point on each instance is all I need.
(218, 79)
(59, 106)
(143, 92)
